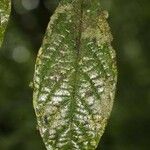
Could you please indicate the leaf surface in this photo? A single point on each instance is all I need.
(4, 15)
(75, 77)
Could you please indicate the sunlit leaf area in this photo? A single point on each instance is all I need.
(129, 125)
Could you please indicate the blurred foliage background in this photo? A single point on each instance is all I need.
(129, 125)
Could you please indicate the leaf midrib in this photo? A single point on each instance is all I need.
(76, 67)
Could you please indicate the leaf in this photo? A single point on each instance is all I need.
(4, 15)
(75, 77)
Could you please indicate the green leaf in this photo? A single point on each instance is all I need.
(4, 15)
(75, 77)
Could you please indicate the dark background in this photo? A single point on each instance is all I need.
(129, 125)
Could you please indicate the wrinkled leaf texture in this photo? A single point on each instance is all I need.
(75, 77)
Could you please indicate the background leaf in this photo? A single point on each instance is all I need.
(4, 15)
(75, 77)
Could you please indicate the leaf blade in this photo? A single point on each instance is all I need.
(75, 77)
